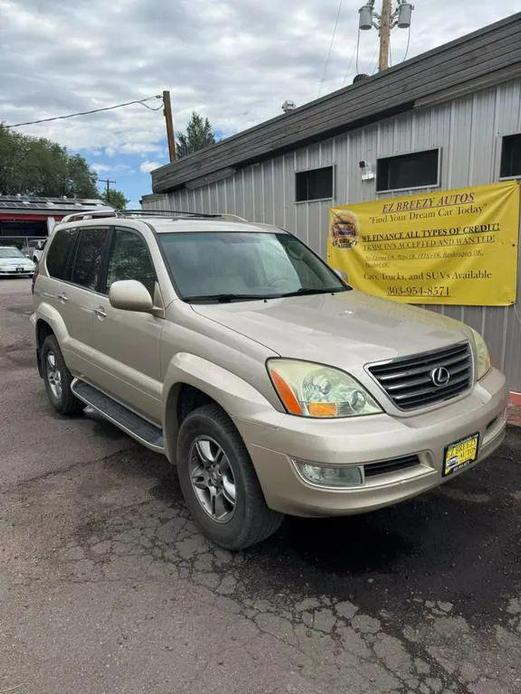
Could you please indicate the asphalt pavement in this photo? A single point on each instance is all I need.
(107, 587)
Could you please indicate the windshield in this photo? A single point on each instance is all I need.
(11, 253)
(235, 266)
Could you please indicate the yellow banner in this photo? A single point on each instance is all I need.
(449, 247)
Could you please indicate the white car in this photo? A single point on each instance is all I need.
(13, 263)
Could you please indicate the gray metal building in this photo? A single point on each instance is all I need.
(451, 117)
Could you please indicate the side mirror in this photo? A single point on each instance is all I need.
(130, 295)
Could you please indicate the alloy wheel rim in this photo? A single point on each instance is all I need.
(54, 377)
(212, 479)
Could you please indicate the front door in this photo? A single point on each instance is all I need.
(127, 342)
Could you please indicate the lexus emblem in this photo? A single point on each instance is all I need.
(440, 376)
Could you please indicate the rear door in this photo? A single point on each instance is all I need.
(52, 288)
(127, 343)
(79, 298)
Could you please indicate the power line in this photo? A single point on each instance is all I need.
(332, 41)
(357, 51)
(87, 113)
(408, 44)
(350, 65)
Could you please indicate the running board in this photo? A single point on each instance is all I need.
(130, 422)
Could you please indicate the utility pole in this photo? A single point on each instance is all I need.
(167, 110)
(385, 34)
(384, 22)
(108, 181)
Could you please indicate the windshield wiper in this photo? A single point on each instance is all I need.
(226, 298)
(303, 291)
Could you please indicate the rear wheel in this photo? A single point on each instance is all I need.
(58, 379)
(219, 483)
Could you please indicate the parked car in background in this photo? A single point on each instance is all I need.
(13, 263)
(238, 353)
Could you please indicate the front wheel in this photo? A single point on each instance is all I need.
(219, 483)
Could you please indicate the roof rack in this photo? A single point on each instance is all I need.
(109, 212)
(180, 213)
(165, 213)
(89, 214)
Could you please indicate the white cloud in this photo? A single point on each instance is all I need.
(101, 168)
(234, 61)
(148, 166)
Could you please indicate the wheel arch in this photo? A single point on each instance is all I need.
(48, 321)
(191, 382)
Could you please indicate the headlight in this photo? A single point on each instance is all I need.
(482, 355)
(313, 390)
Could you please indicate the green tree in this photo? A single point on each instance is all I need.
(199, 134)
(115, 198)
(37, 166)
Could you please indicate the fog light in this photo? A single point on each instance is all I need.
(331, 476)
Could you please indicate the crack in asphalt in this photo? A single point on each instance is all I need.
(153, 538)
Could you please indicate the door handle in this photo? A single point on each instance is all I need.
(100, 312)
(63, 298)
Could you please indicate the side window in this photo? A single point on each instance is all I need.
(130, 260)
(88, 258)
(511, 156)
(405, 171)
(59, 254)
(315, 184)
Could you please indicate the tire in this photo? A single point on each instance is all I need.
(243, 523)
(58, 379)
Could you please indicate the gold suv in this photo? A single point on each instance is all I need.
(274, 387)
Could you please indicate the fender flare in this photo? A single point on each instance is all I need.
(48, 314)
(229, 391)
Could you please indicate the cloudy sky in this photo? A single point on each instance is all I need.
(234, 61)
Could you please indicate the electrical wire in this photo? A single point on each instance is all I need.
(375, 56)
(357, 51)
(332, 41)
(408, 44)
(87, 113)
(350, 65)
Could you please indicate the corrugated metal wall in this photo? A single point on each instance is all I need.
(468, 131)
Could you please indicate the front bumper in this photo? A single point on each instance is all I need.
(14, 273)
(275, 440)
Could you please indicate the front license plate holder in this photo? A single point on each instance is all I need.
(459, 454)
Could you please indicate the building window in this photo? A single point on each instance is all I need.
(406, 171)
(511, 156)
(315, 184)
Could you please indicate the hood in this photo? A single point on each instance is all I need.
(345, 329)
(16, 262)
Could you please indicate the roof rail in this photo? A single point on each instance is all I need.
(225, 215)
(110, 212)
(89, 214)
(180, 213)
(165, 213)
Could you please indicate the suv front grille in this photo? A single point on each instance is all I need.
(409, 382)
